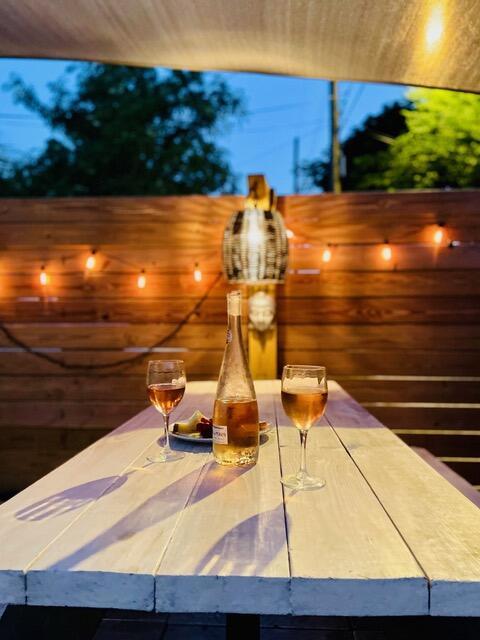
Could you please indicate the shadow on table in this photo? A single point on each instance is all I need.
(156, 509)
(247, 548)
(80, 495)
(70, 499)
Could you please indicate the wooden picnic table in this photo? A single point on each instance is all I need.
(387, 535)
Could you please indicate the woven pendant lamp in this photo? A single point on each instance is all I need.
(255, 244)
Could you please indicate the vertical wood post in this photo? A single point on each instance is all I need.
(262, 345)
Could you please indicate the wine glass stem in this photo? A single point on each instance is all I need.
(166, 419)
(303, 463)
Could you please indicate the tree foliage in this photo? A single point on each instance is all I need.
(365, 151)
(120, 130)
(431, 141)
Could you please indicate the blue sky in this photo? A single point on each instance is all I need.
(280, 109)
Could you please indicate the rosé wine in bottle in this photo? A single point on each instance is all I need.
(235, 414)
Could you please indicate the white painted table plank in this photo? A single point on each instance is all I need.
(99, 531)
(108, 557)
(34, 517)
(229, 551)
(346, 556)
(439, 524)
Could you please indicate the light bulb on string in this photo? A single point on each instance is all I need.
(327, 255)
(43, 277)
(197, 274)
(90, 261)
(289, 233)
(438, 235)
(142, 280)
(387, 252)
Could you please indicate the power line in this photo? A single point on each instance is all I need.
(278, 107)
(353, 104)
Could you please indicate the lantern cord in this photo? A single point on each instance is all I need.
(13, 339)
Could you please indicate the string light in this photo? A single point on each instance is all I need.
(326, 255)
(438, 235)
(197, 274)
(289, 233)
(387, 252)
(43, 277)
(142, 280)
(91, 260)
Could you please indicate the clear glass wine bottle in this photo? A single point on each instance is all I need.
(235, 414)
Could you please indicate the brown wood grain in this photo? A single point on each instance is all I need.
(454, 417)
(142, 308)
(107, 283)
(27, 454)
(381, 362)
(417, 315)
(412, 390)
(71, 415)
(445, 445)
(366, 217)
(200, 364)
(390, 337)
(97, 335)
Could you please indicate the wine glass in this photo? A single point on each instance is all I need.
(165, 387)
(304, 397)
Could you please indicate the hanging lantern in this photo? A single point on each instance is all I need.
(255, 243)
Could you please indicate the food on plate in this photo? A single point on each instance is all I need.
(199, 426)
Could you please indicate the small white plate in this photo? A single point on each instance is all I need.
(186, 436)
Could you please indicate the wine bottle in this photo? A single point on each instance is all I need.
(235, 414)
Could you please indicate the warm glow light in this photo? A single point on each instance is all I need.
(386, 252)
(289, 234)
(142, 280)
(197, 274)
(43, 277)
(438, 236)
(434, 28)
(326, 255)
(90, 262)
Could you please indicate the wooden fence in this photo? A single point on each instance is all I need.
(402, 336)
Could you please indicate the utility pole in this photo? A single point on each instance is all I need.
(335, 184)
(296, 165)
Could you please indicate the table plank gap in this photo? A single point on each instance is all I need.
(346, 555)
(235, 536)
(109, 554)
(34, 517)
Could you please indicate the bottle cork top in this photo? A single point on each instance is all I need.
(234, 303)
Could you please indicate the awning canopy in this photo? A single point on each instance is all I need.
(425, 42)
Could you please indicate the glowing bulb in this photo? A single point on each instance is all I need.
(326, 255)
(43, 277)
(386, 252)
(197, 274)
(90, 262)
(434, 28)
(142, 280)
(438, 236)
(289, 233)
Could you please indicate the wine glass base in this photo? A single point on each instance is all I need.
(167, 456)
(301, 482)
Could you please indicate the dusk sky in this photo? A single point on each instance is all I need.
(280, 109)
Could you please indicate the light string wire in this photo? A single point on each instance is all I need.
(13, 339)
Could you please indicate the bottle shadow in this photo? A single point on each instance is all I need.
(156, 509)
(249, 547)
